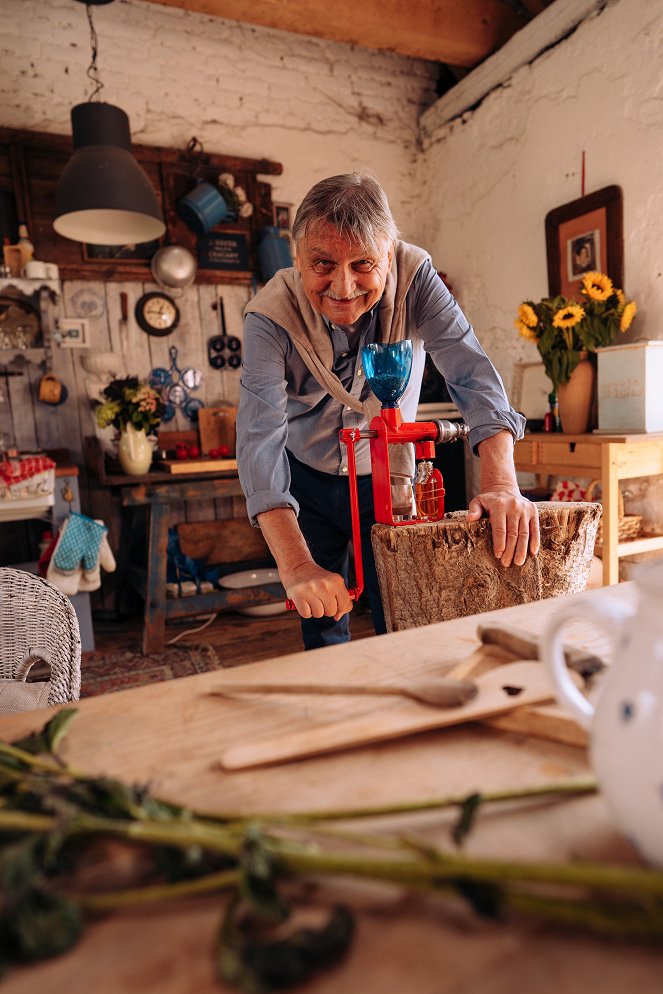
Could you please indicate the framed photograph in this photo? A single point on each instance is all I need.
(138, 254)
(75, 334)
(584, 236)
(281, 214)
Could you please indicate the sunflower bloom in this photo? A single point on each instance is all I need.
(527, 315)
(597, 286)
(628, 314)
(525, 331)
(569, 316)
(621, 299)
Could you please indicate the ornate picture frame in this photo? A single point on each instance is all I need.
(582, 236)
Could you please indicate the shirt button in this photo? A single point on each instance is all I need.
(343, 355)
(360, 371)
(344, 469)
(348, 408)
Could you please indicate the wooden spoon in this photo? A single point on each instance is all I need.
(436, 692)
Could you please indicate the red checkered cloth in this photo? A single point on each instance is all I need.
(568, 490)
(13, 471)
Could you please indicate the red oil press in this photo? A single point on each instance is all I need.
(399, 499)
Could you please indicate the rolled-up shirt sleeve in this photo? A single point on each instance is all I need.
(262, 425)
(474, 384)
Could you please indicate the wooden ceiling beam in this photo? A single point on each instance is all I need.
(461, 32)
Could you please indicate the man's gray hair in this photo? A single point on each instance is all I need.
(354, 203)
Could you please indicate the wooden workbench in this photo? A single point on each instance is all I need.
(607, 458)
(171, 735)
(157, 494)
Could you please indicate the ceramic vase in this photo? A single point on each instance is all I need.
(134, 451)
(576, 398)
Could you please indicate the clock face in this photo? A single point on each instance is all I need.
(157, 314)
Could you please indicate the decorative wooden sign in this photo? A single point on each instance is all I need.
(223, 250)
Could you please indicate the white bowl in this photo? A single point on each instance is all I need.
(102, 363)
(254, 578)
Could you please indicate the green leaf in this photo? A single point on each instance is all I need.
(257, 966)
(485, 898)
(465, 821)
(44, 924)
(49, 738)
(258, 884)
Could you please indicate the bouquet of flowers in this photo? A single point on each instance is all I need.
(130, 401)
(234, 196)
(563, 329)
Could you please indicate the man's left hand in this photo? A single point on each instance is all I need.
(514, 522)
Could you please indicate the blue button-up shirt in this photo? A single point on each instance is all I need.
(283, 405)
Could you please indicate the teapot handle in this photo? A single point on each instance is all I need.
(610, 617)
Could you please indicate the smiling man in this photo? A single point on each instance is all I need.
(354, 283)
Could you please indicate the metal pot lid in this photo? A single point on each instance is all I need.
(174, 267)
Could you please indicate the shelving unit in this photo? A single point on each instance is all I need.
(608, 458)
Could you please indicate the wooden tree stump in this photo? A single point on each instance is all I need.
(447, 569)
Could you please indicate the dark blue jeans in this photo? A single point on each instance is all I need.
(326, 523)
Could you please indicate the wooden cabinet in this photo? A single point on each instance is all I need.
(608, 458)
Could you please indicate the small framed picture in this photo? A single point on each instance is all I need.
(74, 333)
(282, 216)
(585, 236)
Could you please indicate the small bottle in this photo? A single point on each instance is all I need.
(551, 418)
(24, 243)
(554, 407)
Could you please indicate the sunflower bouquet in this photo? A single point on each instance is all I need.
(563, 330)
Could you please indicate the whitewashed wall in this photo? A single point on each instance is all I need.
(488, 179)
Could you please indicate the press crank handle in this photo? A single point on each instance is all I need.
(354, 592)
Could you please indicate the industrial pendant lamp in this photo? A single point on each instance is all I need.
(104, 197)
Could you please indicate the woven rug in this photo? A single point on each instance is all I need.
(104, 672)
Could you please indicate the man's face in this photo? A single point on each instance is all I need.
(342, 279)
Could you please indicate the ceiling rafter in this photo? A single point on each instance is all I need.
(457, 32)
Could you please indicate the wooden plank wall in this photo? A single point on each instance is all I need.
(30, 424)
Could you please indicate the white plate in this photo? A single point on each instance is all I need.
(254, 578)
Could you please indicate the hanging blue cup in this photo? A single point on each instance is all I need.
(202, 208)
(273, 252)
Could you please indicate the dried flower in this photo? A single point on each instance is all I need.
(130, 401)
(234, 196)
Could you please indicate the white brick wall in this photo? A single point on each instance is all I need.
(317, 107)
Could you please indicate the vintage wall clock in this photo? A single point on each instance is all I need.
(157, 313)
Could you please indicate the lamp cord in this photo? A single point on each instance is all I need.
(93, 69)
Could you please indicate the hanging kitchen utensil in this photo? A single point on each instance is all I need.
(175, 384)
(191, 408)
(123, 327)
(174, 268)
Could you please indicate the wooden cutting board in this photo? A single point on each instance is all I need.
(501, 690)
(216, 427)
(199, 465)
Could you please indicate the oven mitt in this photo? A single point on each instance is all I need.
(77, 550)
(91, 578)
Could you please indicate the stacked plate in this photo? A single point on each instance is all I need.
(254, 578)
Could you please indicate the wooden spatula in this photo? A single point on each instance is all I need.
(434, 691)
(499, 690)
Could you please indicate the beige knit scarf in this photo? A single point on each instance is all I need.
(283, 301)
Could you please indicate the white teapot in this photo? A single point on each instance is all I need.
(626, 725)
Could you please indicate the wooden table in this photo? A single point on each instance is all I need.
(171, 735)
(157, 494)
(608, 458)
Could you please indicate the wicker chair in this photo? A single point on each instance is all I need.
(37, 623)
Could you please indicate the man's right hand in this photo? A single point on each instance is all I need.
(317, 593)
